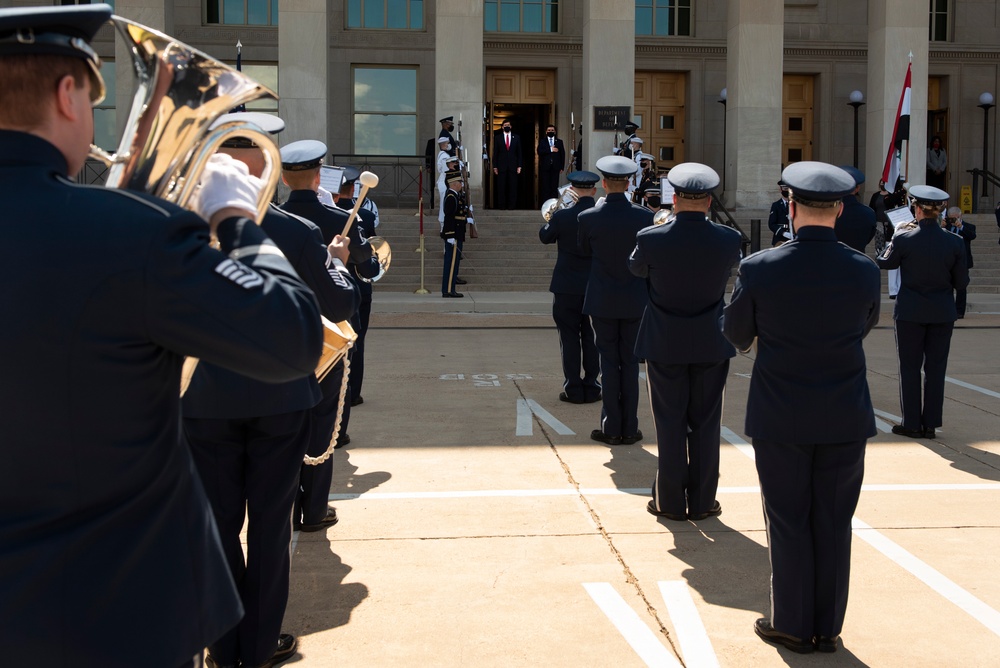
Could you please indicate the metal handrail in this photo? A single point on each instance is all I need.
(987, 177)
(398, 176)
(720, 214)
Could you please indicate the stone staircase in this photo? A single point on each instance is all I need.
(508, 257)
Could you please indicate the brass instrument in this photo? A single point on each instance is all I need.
(567, 199)
(662, 216)
(180, 93)
(338, 337)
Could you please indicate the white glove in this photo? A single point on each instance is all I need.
(226, 182)
(470, 221)
(450, 241)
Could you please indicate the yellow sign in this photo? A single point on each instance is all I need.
(965, 201)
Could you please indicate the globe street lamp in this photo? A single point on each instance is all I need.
(986, 103)
(857, 99)
(722, 100)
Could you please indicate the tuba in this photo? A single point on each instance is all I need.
(180, 92)
(567, 198)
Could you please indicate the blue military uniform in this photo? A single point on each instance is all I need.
(687, 264)
(311, 507)
(453, 233)
(856, 223)
(568, 286)
(808, 304)
(615, 300)
(111, 556)
(777, 219)
(932, 266)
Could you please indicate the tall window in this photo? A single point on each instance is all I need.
(663, 17)
(242, 12)
(939, 21)
(87, 2)
(521, 16)
(266, 75)
(386, 14)
(105, 119)
(385, 110)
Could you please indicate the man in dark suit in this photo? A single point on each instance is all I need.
(615, 299)
(955, 225)
(300, 164)
(777, 219)
(568, 286)
(108, 547)
(506, 166)
(248, 437)
(856, 223)
(809, 412)
(551, 163)
(686, 263)
(932, 266)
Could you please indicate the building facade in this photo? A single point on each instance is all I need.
(746, 86)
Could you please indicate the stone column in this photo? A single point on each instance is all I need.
(755, 60)
(458, 81)
(895, 29)
(156, 14)
(303, 64)
(608, 69)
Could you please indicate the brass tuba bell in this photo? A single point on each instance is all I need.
(180, 92)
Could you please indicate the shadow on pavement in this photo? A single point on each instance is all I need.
(632, 468)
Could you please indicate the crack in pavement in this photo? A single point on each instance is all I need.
(630, 577)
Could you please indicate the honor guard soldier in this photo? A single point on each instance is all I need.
(625, 148)
(686, 264)
(300, 164)
(364, 225)
(447, 125)
(777, 220)
(446, 161)
(615, 299)
(248, 437)
(809, 304)
(568, 286)
(856, 224)
(111, 556)
(932, 265)
(453, 233)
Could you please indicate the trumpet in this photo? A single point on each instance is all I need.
(180, 92)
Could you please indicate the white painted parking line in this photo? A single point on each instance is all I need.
(639, 491)
(696, 648)
(639, 636)
(733, 438)
(525, 408)
(973, 606)
(970, 386)
(888, 416)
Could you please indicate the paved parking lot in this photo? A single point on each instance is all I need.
(481, 527)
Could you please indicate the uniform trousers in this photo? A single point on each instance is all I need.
(449, 271)
(360, 323)
(922, 345)
(577, 348)
(619, 374)
(686, 401)
(250, 468)
(312, 501)
(810, 493)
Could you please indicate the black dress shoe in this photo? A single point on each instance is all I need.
(598, 435)
(460, 281)
(342, 441)
(764, 630)
(328, 521)
(358, 401)
(825, 644)
(287, 644)
(892, 296)
(929, 433)
(452, 295)
(565, 397)
(634, 438)
(715, 510)
(903, 431)
(677, 517)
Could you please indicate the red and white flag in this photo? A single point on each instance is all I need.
(900, 133)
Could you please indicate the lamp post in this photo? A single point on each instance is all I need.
(857, 99)
(722, 100)
(986, 103)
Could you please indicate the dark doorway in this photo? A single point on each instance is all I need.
(528, 121)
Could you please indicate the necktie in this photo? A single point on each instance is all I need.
(552, 142)
(507, 139)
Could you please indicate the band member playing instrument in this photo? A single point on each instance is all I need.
(809, 304)
(110, 554)
(248, 437)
